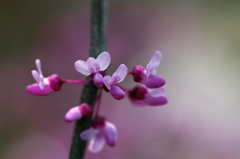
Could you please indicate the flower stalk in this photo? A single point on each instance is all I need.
(98, 44)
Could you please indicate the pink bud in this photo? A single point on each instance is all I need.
(138, 93)
(78, 112)
(138, 73)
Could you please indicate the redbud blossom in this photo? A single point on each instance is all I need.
(100, 133)
(111, 82)
(94, 67)
(147, 76)
(44, 86)
(142, 95)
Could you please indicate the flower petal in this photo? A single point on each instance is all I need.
(36, 76)
(120, 73)
(109, 132)
(93, 65)
(117, 92)
(107, 80)
(153, 81)
(98, 80)
(73, 114)
(89, 134)
(155, 101)
(103, 60)
(96, 144)
(157, 91)
(39, 67)
(36, 90)
(82, 67)
(153, 63)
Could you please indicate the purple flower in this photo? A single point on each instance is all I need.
(142, 95)
(111, 82)
(78, 112)
(100, 133)
(148, 75)
(44, 86)
(94, 67)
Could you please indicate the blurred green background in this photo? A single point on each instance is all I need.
(200, 43)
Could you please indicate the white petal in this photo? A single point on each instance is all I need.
(120, 73)
(82, 67)
(89, 134)
(96, 144)
(42, 82)
(93, 65)
(39, 67)
(103, 60)
(153, 63)
(36, 75)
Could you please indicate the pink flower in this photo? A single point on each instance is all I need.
(94, 67)
(78, 112)
(100, 133)
(141, 96)
(111, 82)
(44, 86)
(148, 75)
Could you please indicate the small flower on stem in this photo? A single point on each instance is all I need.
(78, 112)
(111, 82)
(44, 86)
(141, 96)
(100, 133)
(147, 76)
(94, 67)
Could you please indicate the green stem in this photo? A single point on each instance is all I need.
(98, 44)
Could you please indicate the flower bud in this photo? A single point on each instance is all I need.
(78, 112)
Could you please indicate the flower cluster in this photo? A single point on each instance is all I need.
(150, 91)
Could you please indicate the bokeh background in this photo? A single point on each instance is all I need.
(200, 42)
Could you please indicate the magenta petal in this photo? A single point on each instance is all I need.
(155, 101)
(117, 92)
(96, 144)
(103, 60)
(153, 63)
(109, 132)
(82, 67)
(153, 81)
(107, 80)
(120, 73)
(89, 134)
(98, 80)
(73, 114)
(35, 89)
(93, 65)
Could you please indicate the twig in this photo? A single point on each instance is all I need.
(98, 44)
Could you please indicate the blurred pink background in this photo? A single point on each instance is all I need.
(199, 41)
